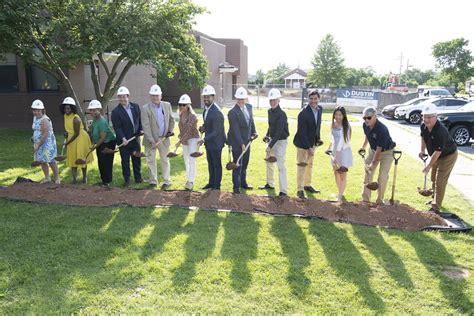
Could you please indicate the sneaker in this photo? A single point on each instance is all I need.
(282, 194)
(266, 187)
(165, 187)
(188, 186)
(434, 210)
(57, 181)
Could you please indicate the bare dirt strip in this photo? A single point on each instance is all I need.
(398, 216)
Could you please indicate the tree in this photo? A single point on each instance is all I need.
(417, 77)
(274, 75)
(358, 77)
(454, 59)
(58, 35)
(259, 77)
(328, 64)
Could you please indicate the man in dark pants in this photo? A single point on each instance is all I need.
(126, 122)
(241, 129)
(214, 139)
(306, 139)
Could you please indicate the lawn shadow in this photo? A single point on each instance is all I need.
(240, 246)
(199, 245)
(295, 247)
(52, 251)
(385, 255)
(434, 256)
(346, 260)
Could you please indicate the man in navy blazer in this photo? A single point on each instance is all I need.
(127, 123)
(241, 129)
(306, 139)
(214, 138)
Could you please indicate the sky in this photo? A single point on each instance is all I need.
(369, 33)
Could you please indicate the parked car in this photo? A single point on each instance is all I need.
(389, 111)
(397, 87)
(436, 93)
(460, 123)
(412, 113)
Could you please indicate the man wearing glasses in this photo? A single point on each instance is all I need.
(380, 154)
(443, 151)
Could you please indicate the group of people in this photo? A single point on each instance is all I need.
(155, 122)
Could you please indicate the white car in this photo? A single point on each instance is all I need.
(435, 92)
(412, 113)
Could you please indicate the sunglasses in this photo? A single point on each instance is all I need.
(182, 105)
(367, 118)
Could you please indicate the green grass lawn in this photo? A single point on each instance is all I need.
(56, 259)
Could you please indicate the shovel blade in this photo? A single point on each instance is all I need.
(108, 151)
(35, 164)
(172, 155)
(80, 162)
(301, 164)
(231, 166)
(372, 186)
(425, 192)
(138, 154)
(60, 158)
(197, 154)
(270, 159)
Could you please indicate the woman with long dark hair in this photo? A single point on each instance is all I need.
(341, 148)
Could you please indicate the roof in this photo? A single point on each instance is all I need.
(295, 71)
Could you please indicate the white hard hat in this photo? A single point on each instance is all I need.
(241, 93)
(155, 90)
(94, 104)
(208, 90)
(184, 99)
(37, 105)
(429, 109)
(274, 94)
(123, 90)
(69, 101)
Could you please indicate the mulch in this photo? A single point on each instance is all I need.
(400, 216)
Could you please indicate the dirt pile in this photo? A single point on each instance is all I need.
(397, 216)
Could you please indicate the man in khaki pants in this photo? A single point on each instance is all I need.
(157, 123)
(276, 138)
(380, 153)
(443, 151)
(306, 139)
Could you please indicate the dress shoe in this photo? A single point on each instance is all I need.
(165, 187)
(236, 191)
(139, 181)
(282, 194)
(310, 189)
(301, 195)
(207, 187)
(434, 210)
(126, 184)
(266, 187)
(152, 185)
(247, 187)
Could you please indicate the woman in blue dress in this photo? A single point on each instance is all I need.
(44, 142)
(341, 149)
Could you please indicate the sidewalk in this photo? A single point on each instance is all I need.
(462, 176)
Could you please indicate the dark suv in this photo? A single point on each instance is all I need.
(460, 123)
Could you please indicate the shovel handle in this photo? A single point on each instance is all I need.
(397, 154)
(362, 153)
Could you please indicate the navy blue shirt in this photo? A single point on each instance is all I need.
(438, 140)
(378, 136)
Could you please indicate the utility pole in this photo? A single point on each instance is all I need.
(401, 65)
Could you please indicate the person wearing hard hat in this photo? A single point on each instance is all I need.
(241, 129)
(277, 141)
(103, 138)
(78, 141)
(441, 147)
(380, 153)
(44, 142)
(306, 139)
(188, 137)
(127, 124)
(158, 125)
(215, 138)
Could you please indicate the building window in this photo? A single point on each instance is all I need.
(8, 73)
(41, 80)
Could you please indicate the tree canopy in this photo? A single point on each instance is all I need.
(328, 64)
(58, 35)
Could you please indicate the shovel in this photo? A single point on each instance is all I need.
(334, 163)
(62, 157)
(197, 153)
(234, 165)
(140, 154)
(425, 191)
(304, 163)
(35, 163)
(269, 158)
(397, 154)
(173, 154)
(372, 185)
(84, 161)
(113, 151)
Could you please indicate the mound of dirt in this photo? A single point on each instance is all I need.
(396, 216)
